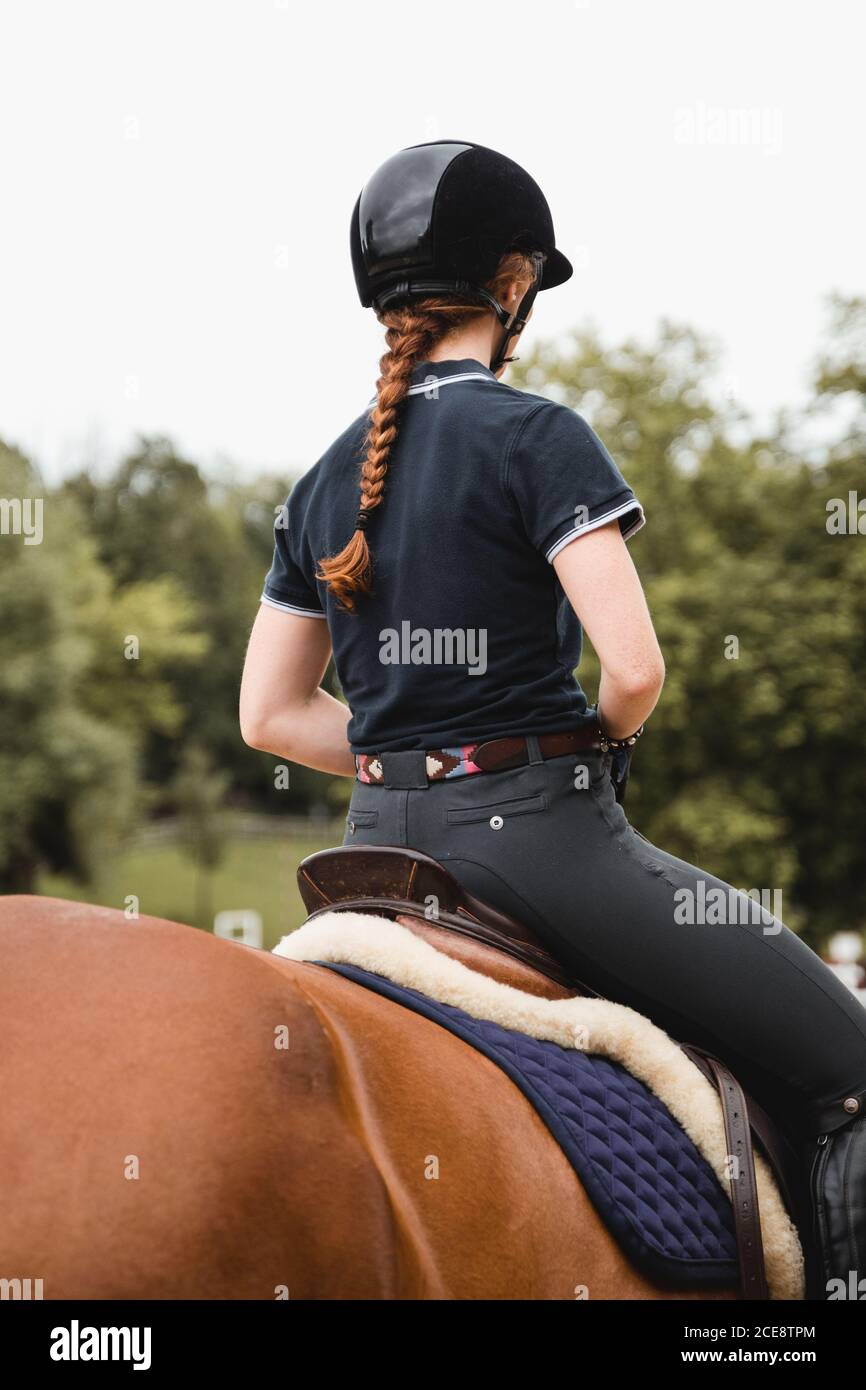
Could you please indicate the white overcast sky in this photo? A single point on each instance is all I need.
(177, 178)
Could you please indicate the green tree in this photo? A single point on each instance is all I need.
(753, 763)
(157, 519)
(74, 712)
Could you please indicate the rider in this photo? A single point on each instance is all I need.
(432, 549)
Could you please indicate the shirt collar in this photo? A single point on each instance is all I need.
(464, 366)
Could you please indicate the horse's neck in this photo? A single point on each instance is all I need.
(486, 959)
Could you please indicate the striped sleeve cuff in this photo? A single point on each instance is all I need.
(292, 608)
(631, 510)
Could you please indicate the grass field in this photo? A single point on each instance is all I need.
(255, 873)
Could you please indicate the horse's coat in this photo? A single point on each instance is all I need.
(160, 1141)
(656, 1194)
(391, 949)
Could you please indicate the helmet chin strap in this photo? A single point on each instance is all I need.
(514, 324)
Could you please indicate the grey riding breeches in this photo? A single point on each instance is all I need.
(549, 844)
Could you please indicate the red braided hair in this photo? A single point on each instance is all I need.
(412, 333)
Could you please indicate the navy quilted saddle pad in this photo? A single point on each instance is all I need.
(655, 1192)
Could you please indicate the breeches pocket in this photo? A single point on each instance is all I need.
(496, 813)
(361, 820)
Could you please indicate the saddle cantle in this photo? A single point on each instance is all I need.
(395, 882)
(399, 882)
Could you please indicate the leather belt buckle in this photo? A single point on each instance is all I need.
(499, 754)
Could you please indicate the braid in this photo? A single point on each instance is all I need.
(409, 341)
(412, 333)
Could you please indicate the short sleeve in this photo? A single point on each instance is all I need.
(286, 586)
(564, 481)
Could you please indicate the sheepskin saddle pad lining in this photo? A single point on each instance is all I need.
(655, 1193)
(639, 1123)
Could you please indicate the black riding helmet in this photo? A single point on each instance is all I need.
(437, 218)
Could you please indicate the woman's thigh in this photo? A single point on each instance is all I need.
(551, 846)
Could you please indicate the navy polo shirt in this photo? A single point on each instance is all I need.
(467, 634)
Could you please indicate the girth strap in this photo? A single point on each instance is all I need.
(743, 1182)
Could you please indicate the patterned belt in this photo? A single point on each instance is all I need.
(495, 755)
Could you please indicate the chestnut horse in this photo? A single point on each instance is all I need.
(185, 1117)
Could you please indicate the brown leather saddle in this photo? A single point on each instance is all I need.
(395, 882)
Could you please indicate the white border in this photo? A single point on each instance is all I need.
(633, 505)
(436, 381)
(291, 608)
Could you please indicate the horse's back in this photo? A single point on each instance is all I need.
(186, 1117)
(164, 1093)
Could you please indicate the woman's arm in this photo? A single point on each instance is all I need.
(283, 710)
(603, 588)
